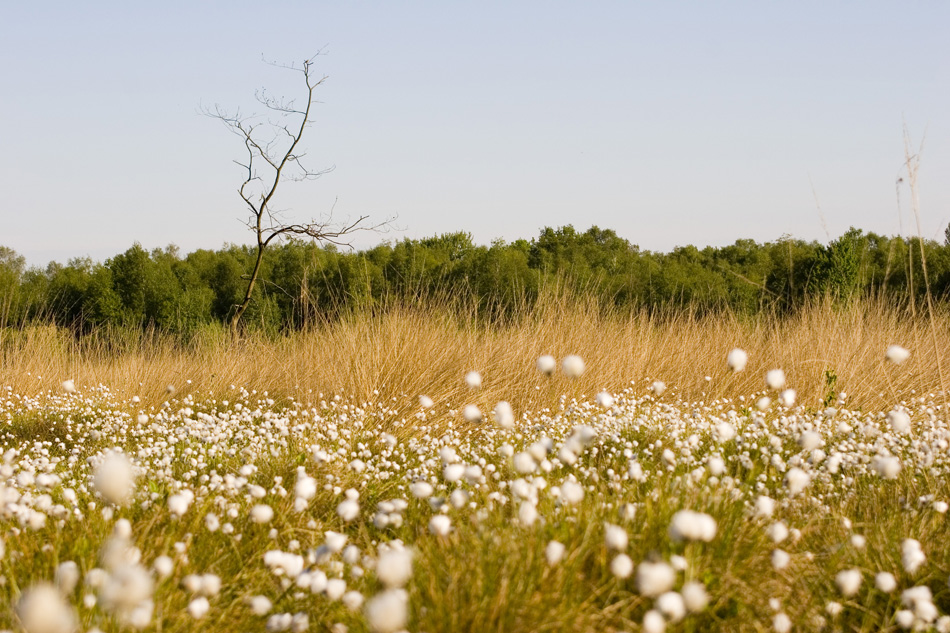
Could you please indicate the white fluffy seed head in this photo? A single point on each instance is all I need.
(654, 579)
(653, 622)
(114, 479)
(688, 525)
(780, 559)
(42, 609)
(348, 510)
(262, 513)
(68, 386)
(504, 415)
(421, 489)
(887, 466)
(912, 556)
(472, 413)
(473, 379)
(554, 552)
(658, 388)
(695, 596)
(897, 354)
(796, 480)
(546, 364)
(764, 507)
(899, 421)
(775, 379)
(394, 567)
(387, 612)
(572, 366)
(671, 605)
(440, 525)
(778, 532)
(787, 397)
(848, 582)
(425, 402)
(605, 400)
(737, 359)
(66, 576)
(885, 581)
(198, 608)
(615, 537)
(781, 623)
(621, 566)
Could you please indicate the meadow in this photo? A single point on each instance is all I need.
(577, 468)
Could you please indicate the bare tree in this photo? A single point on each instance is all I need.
(274, 156)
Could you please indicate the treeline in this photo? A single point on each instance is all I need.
(304, 283)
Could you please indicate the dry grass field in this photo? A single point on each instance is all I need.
(302, 483)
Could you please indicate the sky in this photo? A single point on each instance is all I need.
(671, 123)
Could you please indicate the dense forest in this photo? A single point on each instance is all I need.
(305, 283)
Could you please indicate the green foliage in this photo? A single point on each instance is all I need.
(303, 284)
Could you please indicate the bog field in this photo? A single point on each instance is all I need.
(573, 469)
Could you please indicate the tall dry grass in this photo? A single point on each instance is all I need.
(414, 350)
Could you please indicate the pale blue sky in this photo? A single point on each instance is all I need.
(670, 122)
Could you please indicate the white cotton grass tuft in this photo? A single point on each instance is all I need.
(571, 492)
(796, 480)
(546, 364)
(777, 532)
(163, 566)
(572, 366)
(688, 525)
(440, 525)
(394, 567)
(695, 596)
(554, 552)
(912, 556)
(352, 600)
(737, 359)
(787, 398)
(66, 577)
(348, 510)
(527, 513)
(472, 413)
(387, 612)
(781, 623)
(621, 566)
(653, 622)
(421, 489)
(179, 503)
(764, 507)
(504, 415)
(114, 479)
(654, 579)
(672, 606)
(658, 388)
(885, 581)
(335, 541)
(780, 559)
(887, 466)
(198, 608)
(259, 605)
(615, 537)
(473, 379)
(775, 379)
(425, 402)
(848, 582)
(724, 432)
(605, 400)
(896, 354)
(899, 421)
(261, 513)
(42, 609)
(68, 386)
